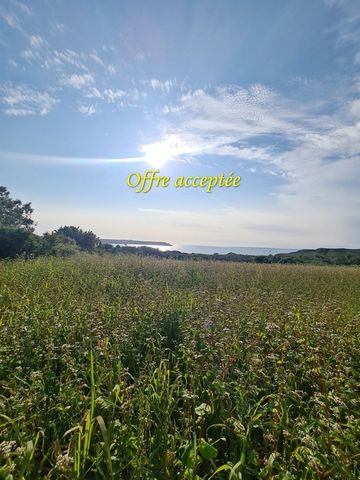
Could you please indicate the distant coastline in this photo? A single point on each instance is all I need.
(133, 242)
(319, 256)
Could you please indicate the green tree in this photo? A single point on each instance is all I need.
(14, 213)
(16, 228)
(57, 245)
(18, 241)
(87, 241)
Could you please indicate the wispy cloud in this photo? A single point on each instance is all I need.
(78, 80)
(348, 28)
(316, 153)
(58, 27)
(11, 19)
(228, 121)
(87, 110)
(162, 85)
(36, 41)
(80, 71)
(66, 161)
(259, 124)
(11, 12)
(64, 59)
(22, 7)
(108, 67)
(21, 100)
(94, 98)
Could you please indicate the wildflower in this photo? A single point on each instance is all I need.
(35, 376)
(63, 462)
(189, 396)
(6, 448)
(238, 426)
(19, 451)
(269, 438)
(271, 327)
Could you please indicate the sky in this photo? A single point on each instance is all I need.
(92, 90)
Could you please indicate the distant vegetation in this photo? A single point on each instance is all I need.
(17, 239)
(320, 256)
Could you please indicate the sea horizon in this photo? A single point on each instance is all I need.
(213, 249)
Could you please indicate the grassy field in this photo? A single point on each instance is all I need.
(137, 368)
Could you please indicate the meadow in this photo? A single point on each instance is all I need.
(139, 368)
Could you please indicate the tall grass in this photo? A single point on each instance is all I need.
(141, 369)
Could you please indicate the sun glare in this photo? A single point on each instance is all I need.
(158, 153)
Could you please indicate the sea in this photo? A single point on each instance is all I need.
(210, 250)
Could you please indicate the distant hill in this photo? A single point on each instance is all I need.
(133, 242)
(331, 256)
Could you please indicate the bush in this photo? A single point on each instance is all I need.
(86, 241)
(57, 245)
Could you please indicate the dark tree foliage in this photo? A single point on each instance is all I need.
(14, 213)
(18, 241)
(87, 241)
(16, 227)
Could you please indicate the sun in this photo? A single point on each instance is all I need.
(158, 153)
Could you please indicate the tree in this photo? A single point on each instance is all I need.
(18, 241)
(14, 213)
(57, 245)
(87, 241)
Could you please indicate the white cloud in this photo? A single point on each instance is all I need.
(164, 86)
(113, 95)
(60, 61)
(87, 73)
(244, 152)
(22, 7)
(30, 55)
(232, 120)
(12, 20)
(87, 110)
(78, 80)
(65, 58)
(96, 58)
(227, 120)
(21, 100)
(36, 41)
(242, 113)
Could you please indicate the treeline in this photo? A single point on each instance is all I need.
(321, 256)
(17, 239)
(63, 242)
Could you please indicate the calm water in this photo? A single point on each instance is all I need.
(222, 250)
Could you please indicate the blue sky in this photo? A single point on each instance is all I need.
(268, 89)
